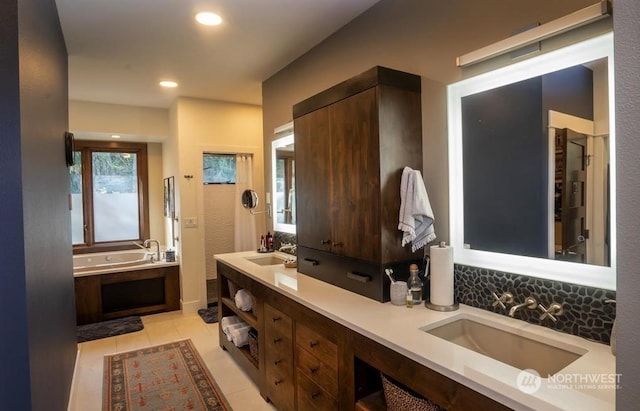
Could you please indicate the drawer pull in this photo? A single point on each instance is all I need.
(310, 261)
(315, 395)
(277, 382)
(313, 344)
(314, 370)
(363, 278)
(276, 362)
(275, 319)
(336, 244)
(277, 340)
(325, 242)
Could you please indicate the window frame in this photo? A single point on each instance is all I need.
(86, 148)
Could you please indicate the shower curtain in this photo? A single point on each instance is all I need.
(245, 232)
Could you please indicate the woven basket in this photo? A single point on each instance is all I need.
(399, 399)
(253, 343)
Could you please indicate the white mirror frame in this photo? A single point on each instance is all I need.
(286, 140)
(578, 273)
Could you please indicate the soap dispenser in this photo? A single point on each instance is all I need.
(414, 284)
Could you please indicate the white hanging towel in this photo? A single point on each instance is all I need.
(416, 217)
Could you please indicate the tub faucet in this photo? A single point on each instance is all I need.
(529, 302)
(148, 242)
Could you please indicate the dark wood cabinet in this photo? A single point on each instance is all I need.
(278, 351)
(310, 362)
(103, 297)
(352, 143)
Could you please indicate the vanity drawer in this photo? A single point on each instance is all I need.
(317, 371)
(276, 321)
(280, 387)
(317, 345)
(312, 397)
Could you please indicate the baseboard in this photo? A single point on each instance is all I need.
(72, 391)
(189, 307)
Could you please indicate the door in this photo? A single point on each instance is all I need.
(313, 175)
(572, 195)
(355, 206)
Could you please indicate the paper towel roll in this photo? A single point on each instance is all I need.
(441, 275)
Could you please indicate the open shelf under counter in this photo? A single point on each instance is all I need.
(242, 355)
(246, 316)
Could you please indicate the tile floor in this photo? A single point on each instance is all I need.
(239, 390)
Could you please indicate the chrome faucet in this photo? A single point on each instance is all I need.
(148, 242)
(529, 302)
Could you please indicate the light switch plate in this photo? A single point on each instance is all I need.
(191, 222)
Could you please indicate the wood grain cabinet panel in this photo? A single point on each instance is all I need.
(278, 361)
(312, 397)
(352, 142)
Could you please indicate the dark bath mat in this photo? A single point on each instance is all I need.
(104, 329)
(209, 315)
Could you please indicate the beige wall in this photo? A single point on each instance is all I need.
(197, 126)
(98, 120)
(421, 37)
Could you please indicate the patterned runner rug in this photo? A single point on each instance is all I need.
(165, 377)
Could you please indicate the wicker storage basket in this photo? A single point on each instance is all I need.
(400, 399)
(253, 343)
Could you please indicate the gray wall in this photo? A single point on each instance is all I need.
(627, 72)
(37, 310)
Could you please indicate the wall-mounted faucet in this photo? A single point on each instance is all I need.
(148, 242)
(506, 298)
(529, 303)
(554, 310)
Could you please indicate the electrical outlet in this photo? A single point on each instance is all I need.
(191, 222)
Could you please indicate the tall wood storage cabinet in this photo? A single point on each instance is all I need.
(352, 142)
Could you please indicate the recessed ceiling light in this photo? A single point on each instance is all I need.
(115, 136)
(168, 84)
(208, 19)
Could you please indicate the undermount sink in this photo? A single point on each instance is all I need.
(507, 345)
(266, 260)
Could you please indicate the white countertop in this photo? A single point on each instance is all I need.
(398, 328)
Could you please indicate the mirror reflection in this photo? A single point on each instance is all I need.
(532, 167)
(249, 199)
(283, 177)
(535, 171)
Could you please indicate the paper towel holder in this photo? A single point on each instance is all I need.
(442, 308)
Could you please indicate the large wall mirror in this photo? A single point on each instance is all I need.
(284, 180)
(532, 166)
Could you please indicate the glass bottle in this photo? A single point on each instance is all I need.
(414, 284)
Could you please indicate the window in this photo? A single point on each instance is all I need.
(218, 168)
(108, 195)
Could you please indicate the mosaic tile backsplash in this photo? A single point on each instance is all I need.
(585, 312)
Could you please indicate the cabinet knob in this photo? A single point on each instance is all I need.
(324, 242)
(277, 340)
(315, 395)
(336, 244)
(313, 343)
(314, 370)
(277, 382)
(275, 319)
(276, 362)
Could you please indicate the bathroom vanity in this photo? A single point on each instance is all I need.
(323, 347)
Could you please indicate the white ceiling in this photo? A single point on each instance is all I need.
(120, 49)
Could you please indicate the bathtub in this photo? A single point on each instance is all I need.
(117, 261)
(118, 284)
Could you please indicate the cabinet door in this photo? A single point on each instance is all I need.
(355, 165)
(313, 173)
